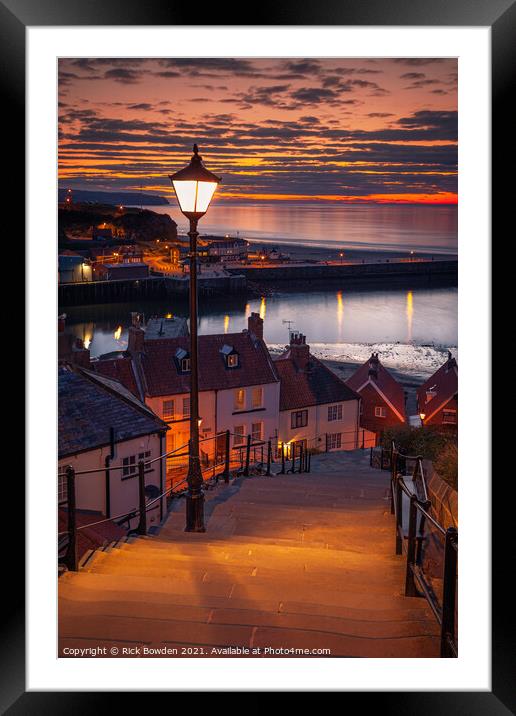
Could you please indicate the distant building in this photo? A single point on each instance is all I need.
(383, 398)
(101, 424)
(120, 271)
(437, 399)
(316, 407)
(225, 249)
(124, 254)
(73, 267)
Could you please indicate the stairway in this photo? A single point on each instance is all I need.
(287, 562)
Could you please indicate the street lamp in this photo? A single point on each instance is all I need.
(422, 417)
(194, 187)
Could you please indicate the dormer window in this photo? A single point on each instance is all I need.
(182, 358)
(230, 356)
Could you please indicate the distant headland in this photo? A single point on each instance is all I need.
(127, 198)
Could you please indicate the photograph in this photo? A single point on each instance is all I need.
(257, 357)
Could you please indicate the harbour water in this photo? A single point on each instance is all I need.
(411, 316)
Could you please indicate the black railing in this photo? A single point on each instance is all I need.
(252, 455)
(420, 539)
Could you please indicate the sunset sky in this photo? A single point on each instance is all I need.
(373, 130)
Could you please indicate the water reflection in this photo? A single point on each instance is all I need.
(410, 312)
(340, 311)
(420, 314)
(263, 308)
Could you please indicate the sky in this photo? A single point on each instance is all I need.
(325, 130)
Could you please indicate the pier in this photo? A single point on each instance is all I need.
(153, 287)
(307, 272)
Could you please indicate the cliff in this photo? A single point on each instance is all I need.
(131, 224)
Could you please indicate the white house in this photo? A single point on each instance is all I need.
(238, 388)
(317, 409)
(102, 424)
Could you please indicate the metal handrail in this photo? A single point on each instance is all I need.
(444, 612)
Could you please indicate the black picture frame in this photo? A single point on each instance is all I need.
(500, 16)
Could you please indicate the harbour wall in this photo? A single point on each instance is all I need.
(153, 287)
(365, 271)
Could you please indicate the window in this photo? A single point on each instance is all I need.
(62, 486)
(239, 432)
(380, 412)
(182, 360)
(239, 399)
(232, 360)
(257, 431)
(299, 419)
(257, 398)
(168, 410)
(334, 412)
(334, 441)
(186, 407)
(129, 466)
(449, 417)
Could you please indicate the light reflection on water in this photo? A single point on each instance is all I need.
(421, 315)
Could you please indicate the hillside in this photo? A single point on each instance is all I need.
(135, 224)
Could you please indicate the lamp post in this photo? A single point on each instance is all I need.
(194, 187)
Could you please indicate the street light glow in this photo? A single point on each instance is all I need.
(194, 186)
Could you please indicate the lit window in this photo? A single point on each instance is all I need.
(257, 431)
(239, 432)
(334, 412)
(232, 360)
(239, 399)
(299, 419)
(168, 410)
(380, 412)
(257, 397)
(186, 407)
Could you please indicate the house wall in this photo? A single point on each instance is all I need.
(124, 496)
(319, 426)
(228, 417)
(371, 399)
(437, 419)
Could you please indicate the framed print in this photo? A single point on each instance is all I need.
(264, 245)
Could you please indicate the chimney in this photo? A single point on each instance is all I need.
(373, 365)
(136, 337)
(299, 351)
(255, 325)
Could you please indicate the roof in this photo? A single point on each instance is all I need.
(90, 405)
(166, 328)
(384, 382)
(316, 386)
(120, 369)
(162, 377)
(444, 383)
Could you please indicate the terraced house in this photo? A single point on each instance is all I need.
(317, 409)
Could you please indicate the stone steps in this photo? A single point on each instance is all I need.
(301, 561)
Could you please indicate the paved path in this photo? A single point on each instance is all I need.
(297, 561)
